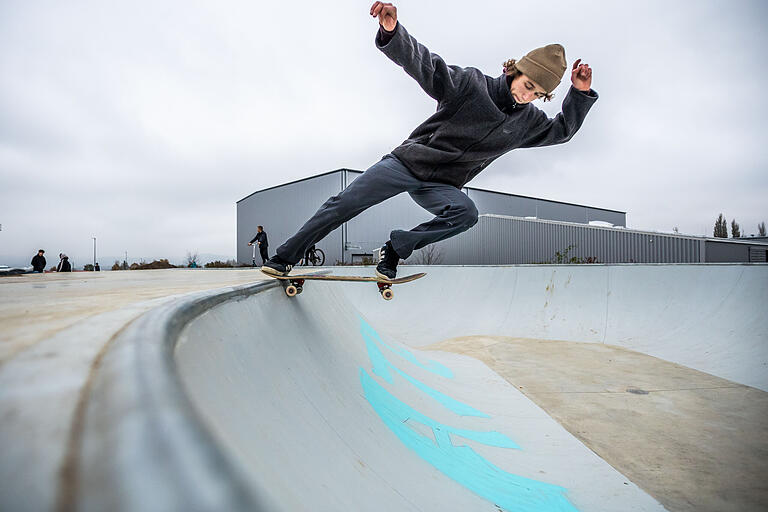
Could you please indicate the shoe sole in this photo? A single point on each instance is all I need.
(273, 272)
(382, 276)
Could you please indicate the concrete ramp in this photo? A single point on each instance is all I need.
(708, 317)
(326, 402)
(244, 399)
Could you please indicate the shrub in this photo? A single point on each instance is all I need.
(226, 264)
(562, 257)
(157, 264)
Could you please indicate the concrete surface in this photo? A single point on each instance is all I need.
(54, 330)
(694, 441)
(243, 399)
(34, 307)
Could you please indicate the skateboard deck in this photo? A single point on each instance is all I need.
(294, 283)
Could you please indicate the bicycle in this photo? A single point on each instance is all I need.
(313, 256)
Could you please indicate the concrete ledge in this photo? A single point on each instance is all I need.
(140, 444)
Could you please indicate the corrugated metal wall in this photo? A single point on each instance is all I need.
(500, 240)
(282, 210)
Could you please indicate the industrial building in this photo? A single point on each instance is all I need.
(284, 208)
(511, 229)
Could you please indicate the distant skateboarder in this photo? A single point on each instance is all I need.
(478, 119)
(261, 240)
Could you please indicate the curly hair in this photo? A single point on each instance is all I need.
(511, 71)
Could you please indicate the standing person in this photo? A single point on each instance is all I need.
(261, 240)
(478, 119)
(38, 261)
(64, 265)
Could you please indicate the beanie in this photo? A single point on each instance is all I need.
(545, 66)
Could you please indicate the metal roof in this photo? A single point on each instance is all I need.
(746, 241)
(467, 188)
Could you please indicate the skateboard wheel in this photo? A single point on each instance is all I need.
(291, 290)
(387, 294)
(299, 289)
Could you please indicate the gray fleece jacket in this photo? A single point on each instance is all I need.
(477, 119)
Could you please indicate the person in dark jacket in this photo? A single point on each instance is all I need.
(64, 265)
(38, 261)
(261, 241)
(478, 119)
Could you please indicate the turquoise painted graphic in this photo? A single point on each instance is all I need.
(460, 463)
(381, 367)
(370, 334)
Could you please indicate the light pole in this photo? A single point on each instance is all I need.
(94, 252)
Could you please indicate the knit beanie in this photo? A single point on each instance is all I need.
(545, 66)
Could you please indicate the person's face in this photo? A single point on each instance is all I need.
(525, 90)
(39, 253)
(259, 230)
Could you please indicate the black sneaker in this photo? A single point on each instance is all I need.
(276, 266)
(388, 259)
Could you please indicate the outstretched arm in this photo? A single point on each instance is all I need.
(438, 79)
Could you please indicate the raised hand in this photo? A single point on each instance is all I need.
(581, 76)
(387, 14)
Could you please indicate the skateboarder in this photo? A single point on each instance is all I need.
(478, 119)
(261, 241)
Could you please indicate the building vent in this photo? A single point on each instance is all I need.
(758, 255)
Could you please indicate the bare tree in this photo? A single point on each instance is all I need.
(761, 228)
(191, 259)
(429, 255)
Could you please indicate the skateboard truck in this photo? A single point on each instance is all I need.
(385, 290)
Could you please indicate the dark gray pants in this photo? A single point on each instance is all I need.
(454, 211)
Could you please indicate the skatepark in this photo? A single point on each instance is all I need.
(588, 215)
(515, 388)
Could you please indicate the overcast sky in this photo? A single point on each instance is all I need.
(142, 123)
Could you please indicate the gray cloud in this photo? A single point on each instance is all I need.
(144, 123)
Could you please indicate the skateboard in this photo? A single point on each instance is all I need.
(294, 285)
